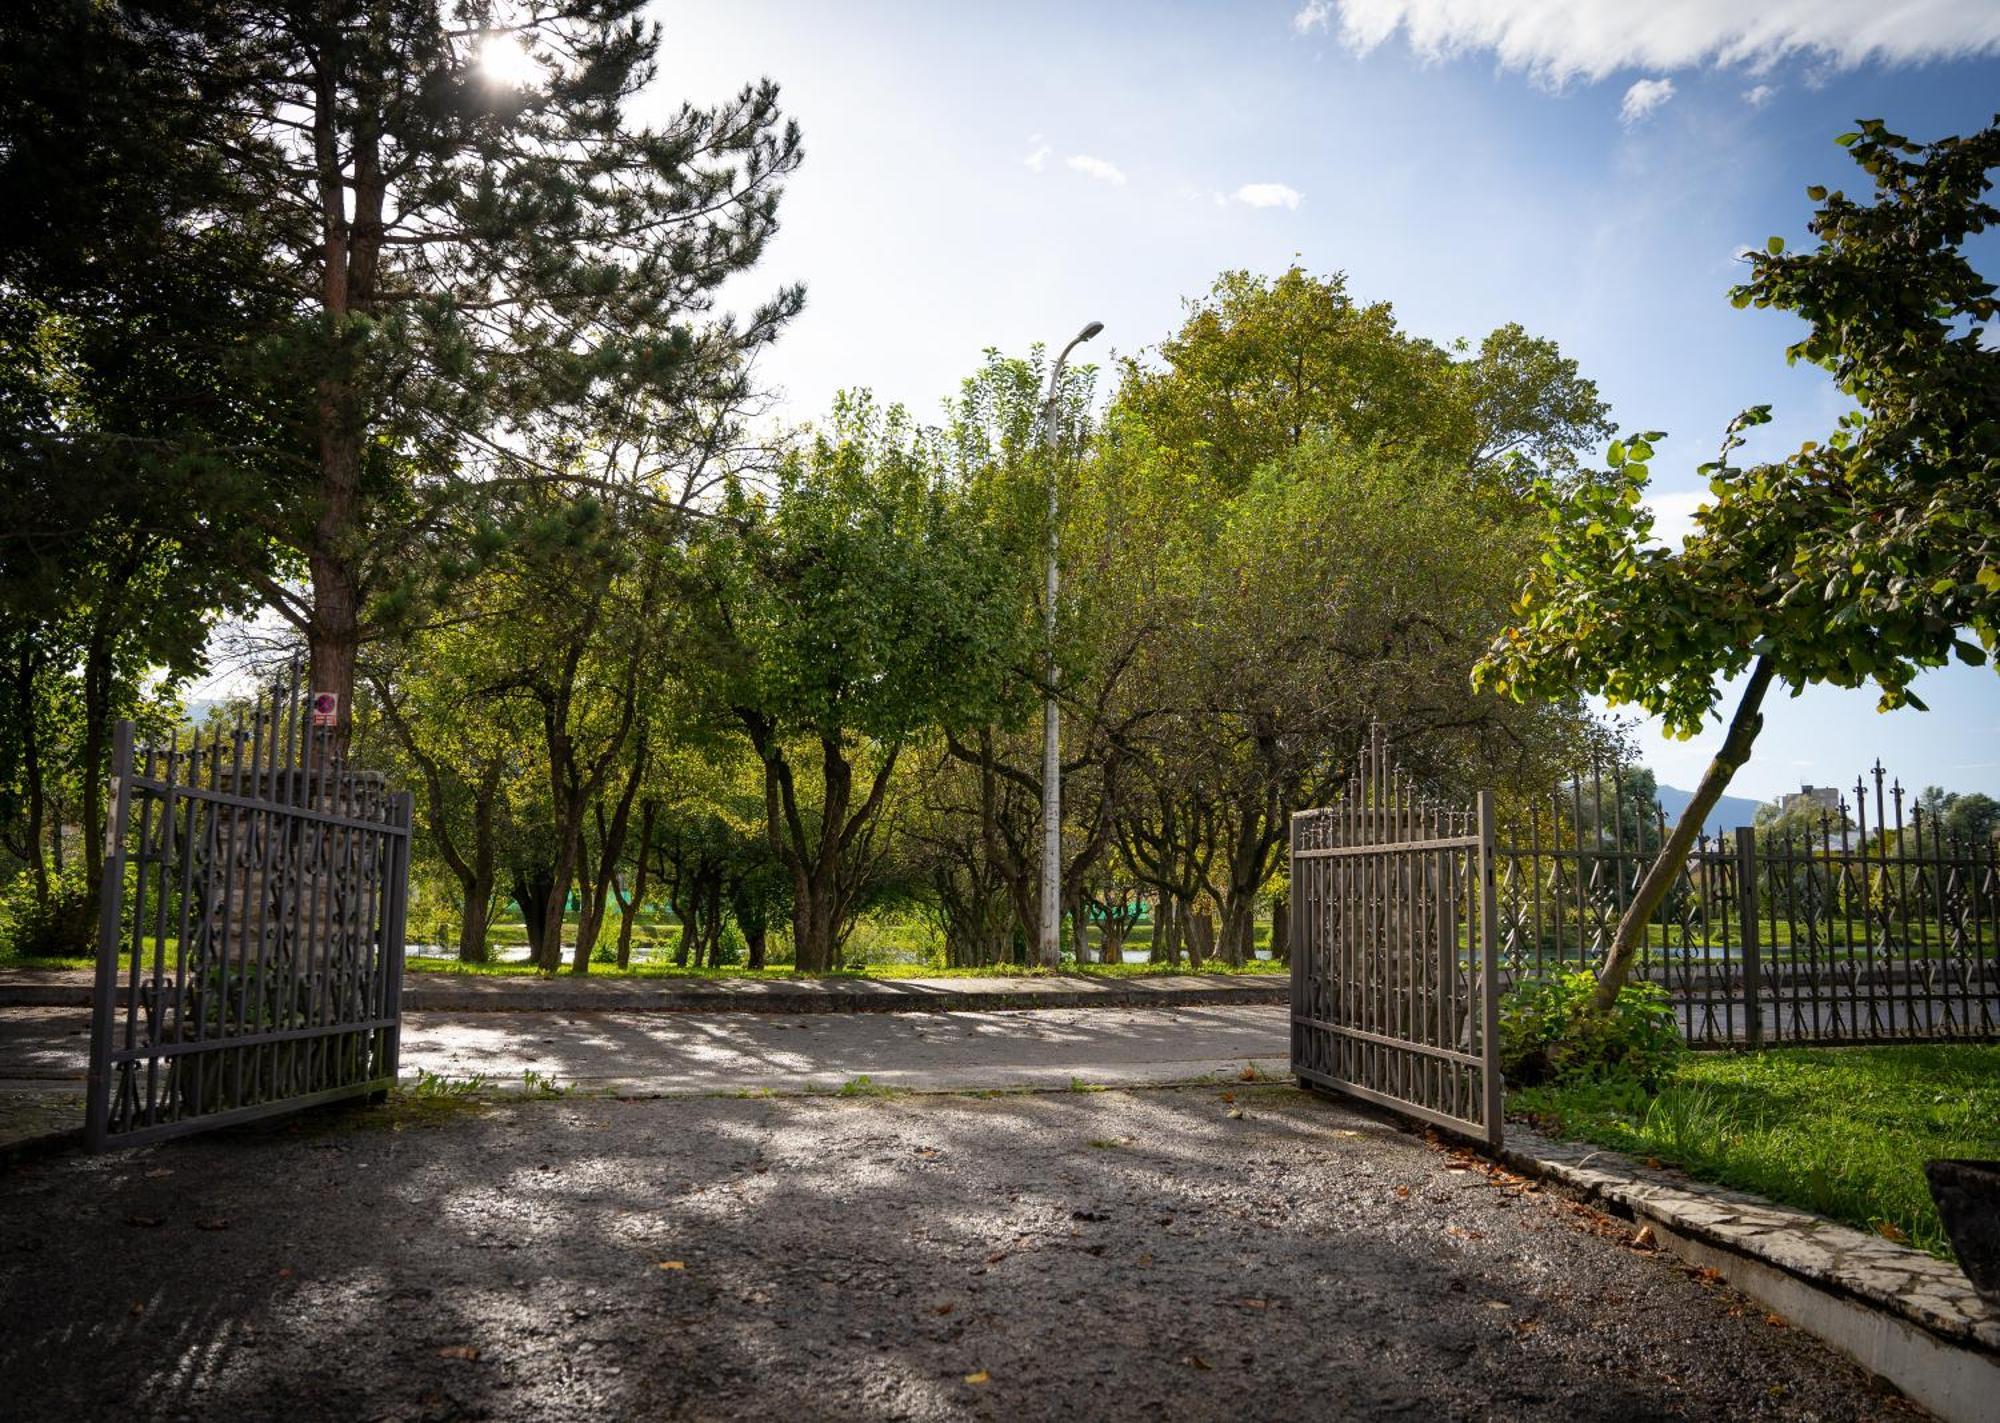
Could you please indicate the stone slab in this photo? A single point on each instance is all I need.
(1905, 1315)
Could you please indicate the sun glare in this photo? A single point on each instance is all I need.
(504, 61)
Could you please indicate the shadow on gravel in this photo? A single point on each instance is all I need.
(1189, 1254)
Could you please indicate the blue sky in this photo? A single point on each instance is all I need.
(998, 175)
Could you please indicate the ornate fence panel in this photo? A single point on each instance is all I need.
(1875, 926)
(1862, 926)
(1394, 951)
(251, 922)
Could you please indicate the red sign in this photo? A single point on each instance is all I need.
(326, 708)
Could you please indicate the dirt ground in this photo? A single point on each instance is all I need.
(1243, 1253)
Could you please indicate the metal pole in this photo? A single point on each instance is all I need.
(1049, 932)
(1746, 919)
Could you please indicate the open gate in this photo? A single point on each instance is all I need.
(252, 922)
(1394, 950)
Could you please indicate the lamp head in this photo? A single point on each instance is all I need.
(1089, 331)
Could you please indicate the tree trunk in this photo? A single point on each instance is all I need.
(532, 890)
(631, 911)
(756, 936)
(474, 906)
(1200, 937)
(1281, 928)
(1729, 758)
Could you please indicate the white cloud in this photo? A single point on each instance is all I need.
(1268, 195)
(1759, 95)
(1039, 157)
(1673, 514)
(1097, 168)
(1644, 97)
(1560, 40)
(1313, 15)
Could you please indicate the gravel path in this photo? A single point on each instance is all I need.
(1255, 1253)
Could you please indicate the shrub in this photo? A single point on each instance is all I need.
(1549, 1034)
(67, 925)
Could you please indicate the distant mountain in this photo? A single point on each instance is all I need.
(1729, 813)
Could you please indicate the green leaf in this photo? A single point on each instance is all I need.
(1774, 245)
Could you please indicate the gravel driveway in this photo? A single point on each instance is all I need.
(1254, 1253)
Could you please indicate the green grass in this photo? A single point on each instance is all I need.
(876, 970)
(1840, 1131)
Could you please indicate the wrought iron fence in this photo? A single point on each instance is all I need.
(1866, 926)
(252, 916)
(1393, 939)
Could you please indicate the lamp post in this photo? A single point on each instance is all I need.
(1049, 939)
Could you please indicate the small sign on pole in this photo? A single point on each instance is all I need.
(326, 708)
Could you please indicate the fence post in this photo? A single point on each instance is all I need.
(1487, 958)
(1753, 958)
(110, 942)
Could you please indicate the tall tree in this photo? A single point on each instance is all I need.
(474, 235)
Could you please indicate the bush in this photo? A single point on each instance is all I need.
(1549, 1034)
(66, 926)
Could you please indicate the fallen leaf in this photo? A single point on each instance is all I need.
(1776, 1321)
(138, 1307)
(1644, 1240)
(1889, 1230)
(996, 1257)
(1248, 1074)
(1653, 1163)
(214, 1222)
(1236, 1114)
(1196, 1361)
(672, 1265)
(467, 1352)
(978, 1376)
(1228, 1096)
(945, 1308)
(1254, 1303)
(284, 1272)
(1498, 1304)
(1402, 1193)
(146, 1220)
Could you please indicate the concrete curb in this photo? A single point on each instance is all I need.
(449, 993)
(1903, 1315)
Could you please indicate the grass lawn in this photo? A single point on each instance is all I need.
(877, 970)
(1840, 1131)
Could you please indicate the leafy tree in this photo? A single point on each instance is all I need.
(1859, 558)
(472, 235)
(128, 519)
(861, 608)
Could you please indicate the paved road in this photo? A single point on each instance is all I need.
(1182, 1254)
(654, 1052)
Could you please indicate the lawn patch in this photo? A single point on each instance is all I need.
(1844, 1132)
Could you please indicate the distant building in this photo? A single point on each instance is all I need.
(1825, 797)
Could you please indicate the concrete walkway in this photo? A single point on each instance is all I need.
(429, 992)
(44, 1052)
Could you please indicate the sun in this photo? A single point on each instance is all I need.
(504, 60)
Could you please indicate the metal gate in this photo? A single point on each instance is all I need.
(250, 933)
(1394, 950)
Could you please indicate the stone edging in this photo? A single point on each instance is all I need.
(1905, 1315)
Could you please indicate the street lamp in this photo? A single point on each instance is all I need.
(1049, 939)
